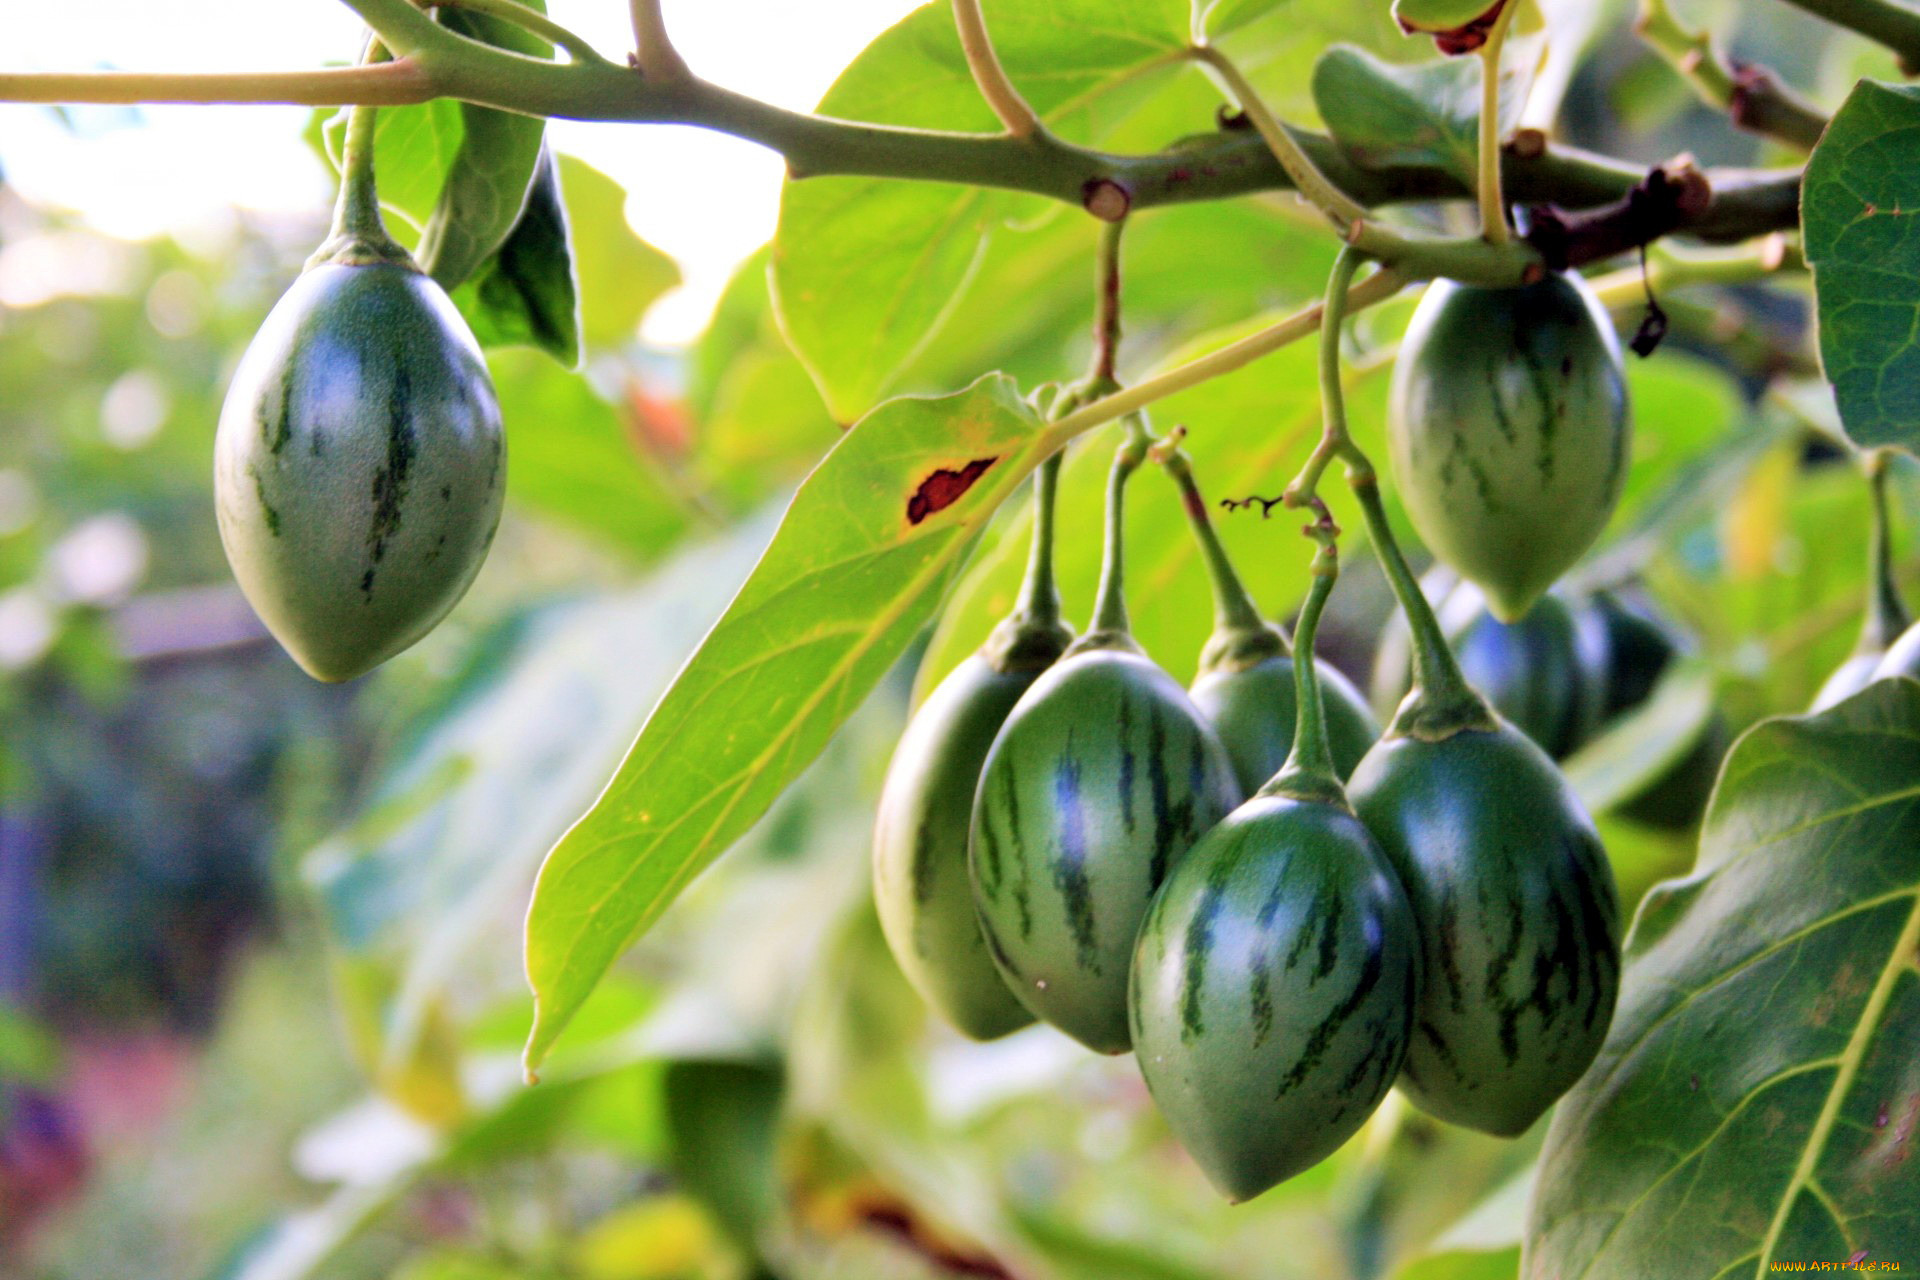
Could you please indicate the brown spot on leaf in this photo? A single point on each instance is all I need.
(943, 488)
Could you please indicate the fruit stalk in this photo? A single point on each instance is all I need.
(1110, 621)
(1493, 205)
(1240, 634)
(1308, 773)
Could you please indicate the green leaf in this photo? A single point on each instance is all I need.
(866, 270)
(620, 274)
(487, 776)
(485, 189)
(575, 457)
(414, 148)
(524, 294)
(1637, 750)
(1856, 216)
(866, 551)
(1757, 1095)
(1427, 113)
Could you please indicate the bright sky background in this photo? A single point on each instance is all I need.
(707, 199)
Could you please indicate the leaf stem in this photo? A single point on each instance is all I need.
(1314, 186)
(1493, 204)
(658, 61)
(989, 75)
(532, 20)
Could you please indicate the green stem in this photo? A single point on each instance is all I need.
(1111, 628)
(359, 235)
(433, 61)
(1341, 209)
(1886, 615)
(1442, 702)
(1241, 637)
(658, 61)
(1034, 635)
(1335, 440)
(538, 23)
(1308, 773)
(1493, 204)
(1895, 25)
(988, 75)
(1752, 96)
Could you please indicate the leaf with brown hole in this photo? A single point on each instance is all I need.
(943, 488)
(839, 594)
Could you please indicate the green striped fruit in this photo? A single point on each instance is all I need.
(920, 882)
(1547, 673)
(1098, 784)
(1509, 432)
(359, 466)
(1518, 920)
(1252, 709)
(1274, 985)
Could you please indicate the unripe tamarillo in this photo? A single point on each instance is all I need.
(1252, 709)
(1546, 672)
(1100, 781)
(360, 466)
(1508, 431)
(920, 883)
(1518, 920)
(1273, 990)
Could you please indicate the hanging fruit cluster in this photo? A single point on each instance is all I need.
(1282, 911)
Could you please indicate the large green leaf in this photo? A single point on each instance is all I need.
(1757, 1096)
(1856, 214)
(865, 270)
(866, 551)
